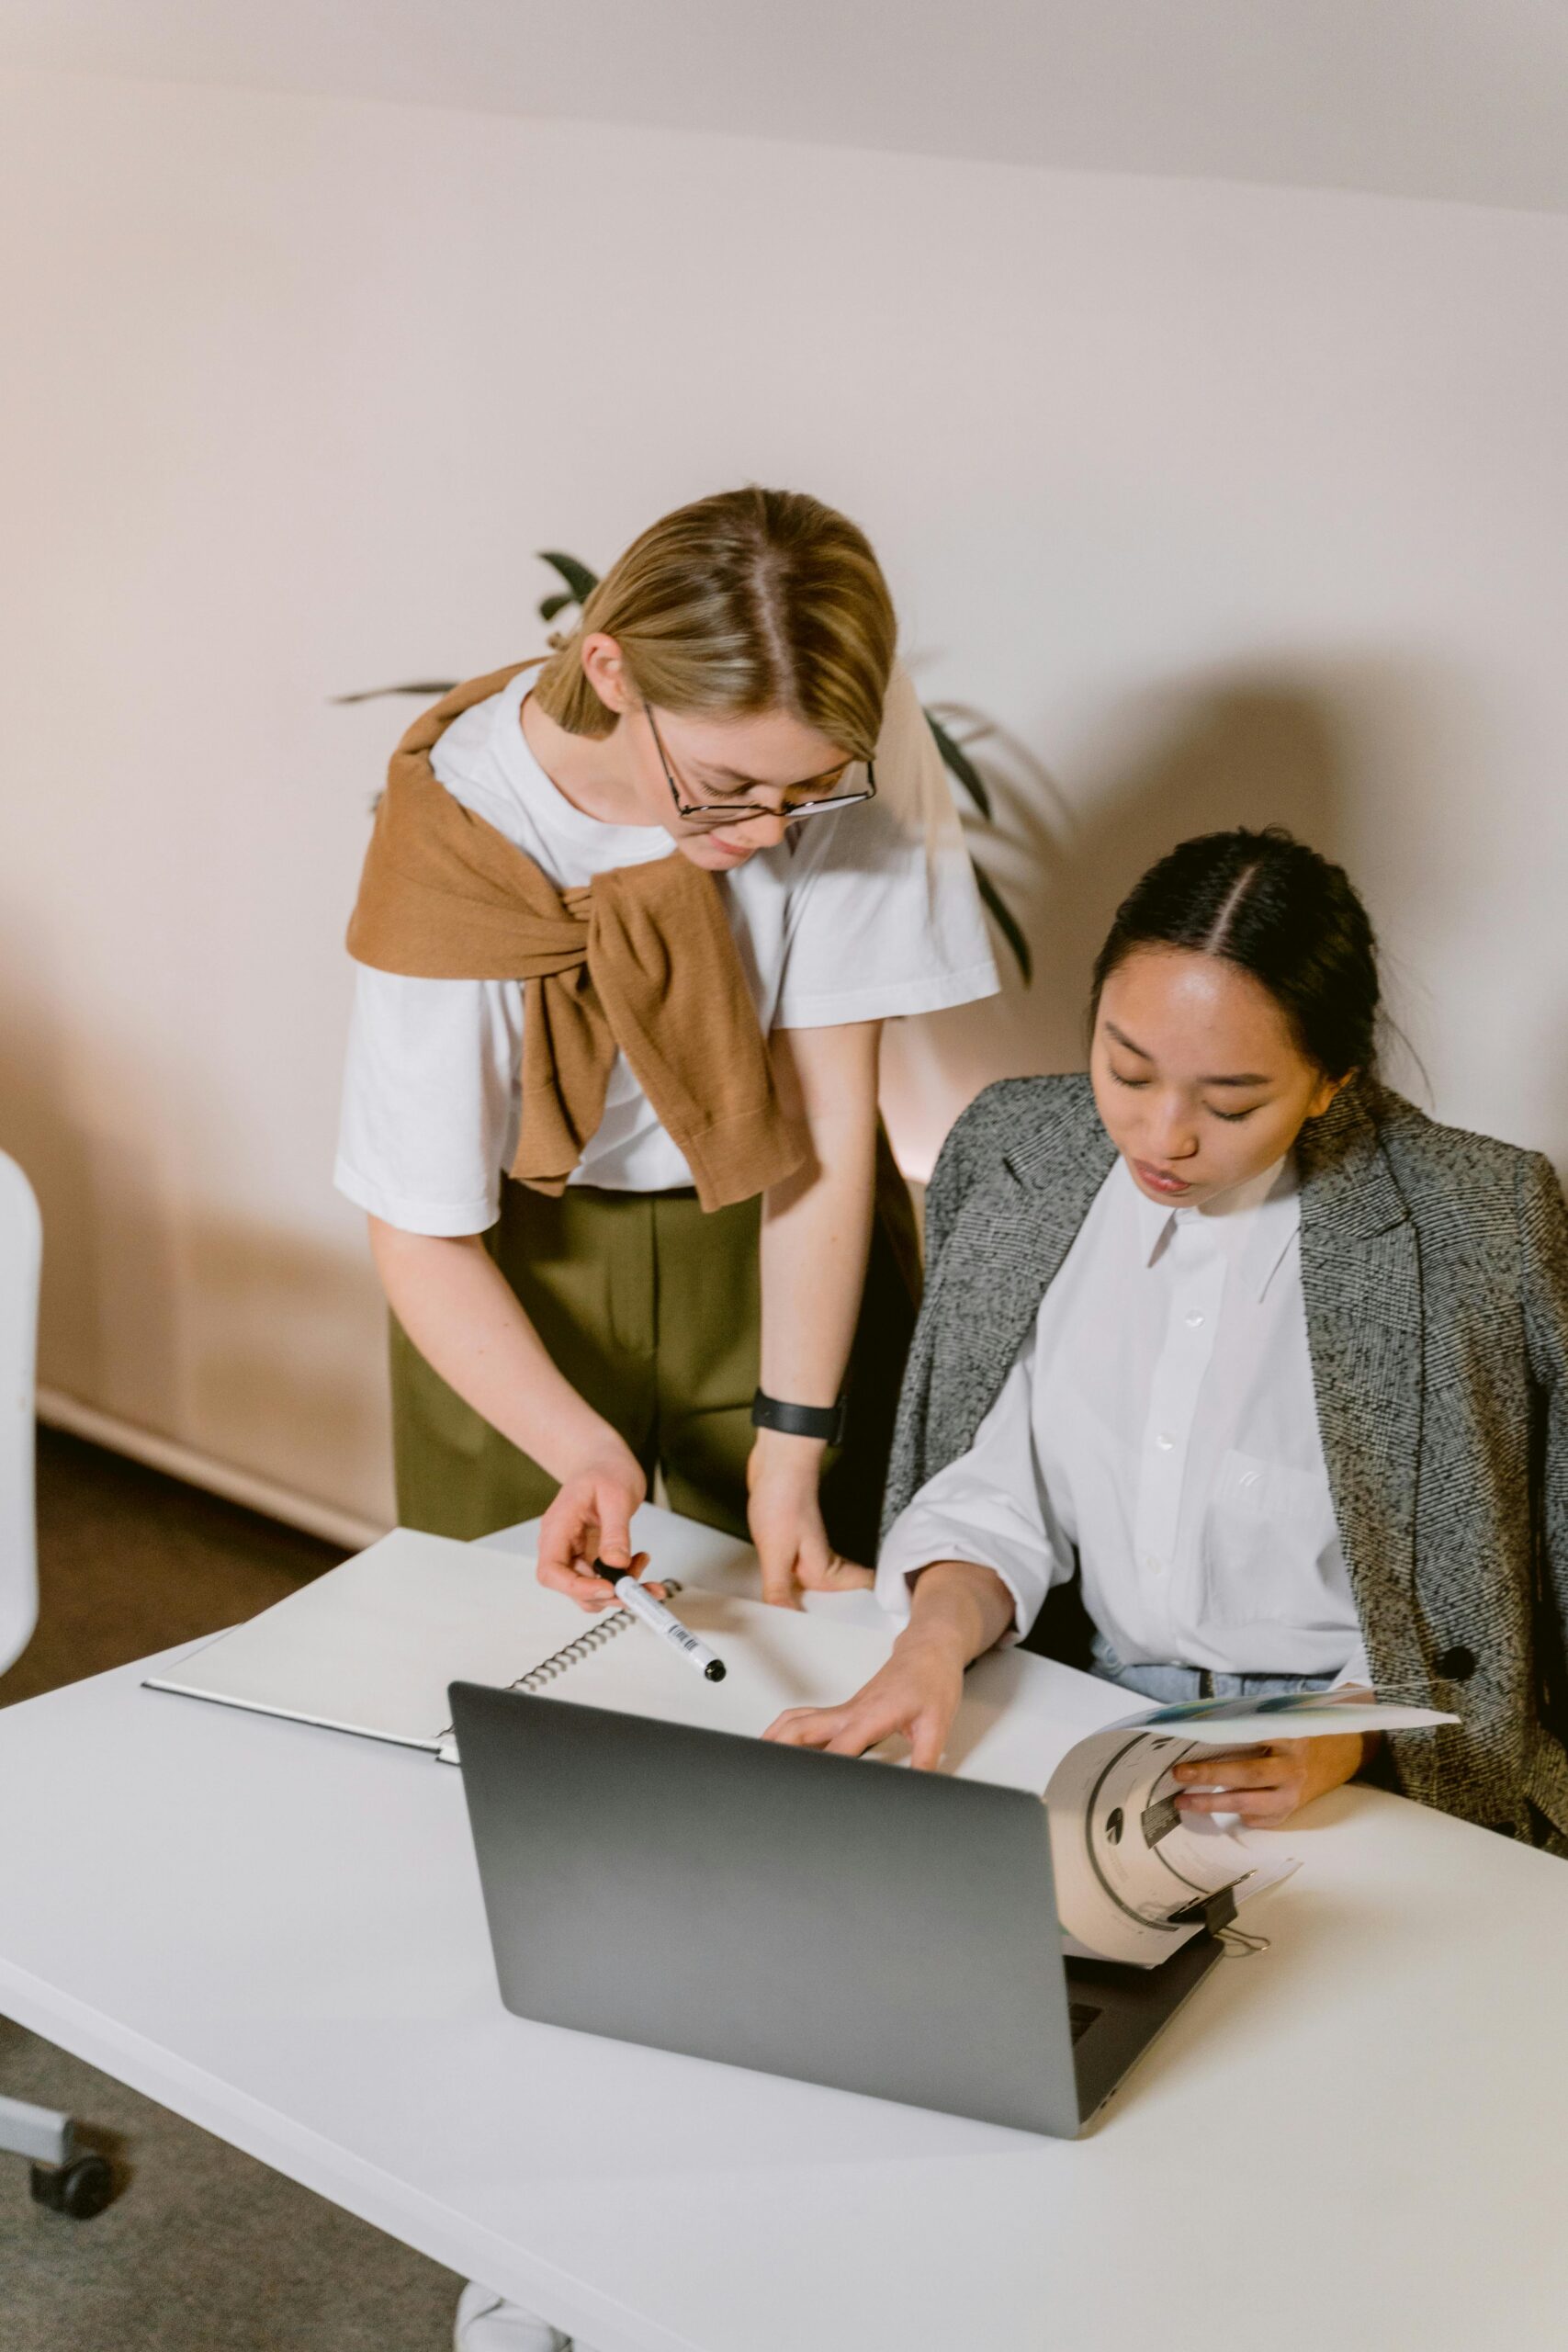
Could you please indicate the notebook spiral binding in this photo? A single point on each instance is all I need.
(561, 1661)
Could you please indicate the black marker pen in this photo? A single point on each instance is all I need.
(660, 1620)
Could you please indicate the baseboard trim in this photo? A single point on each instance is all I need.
(58, 1411)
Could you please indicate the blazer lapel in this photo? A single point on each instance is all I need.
(1361, 1286)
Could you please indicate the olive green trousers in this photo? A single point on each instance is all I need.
(651, 1309)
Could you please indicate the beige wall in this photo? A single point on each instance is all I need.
(1218, 502)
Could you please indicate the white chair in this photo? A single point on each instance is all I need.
(74, 2181)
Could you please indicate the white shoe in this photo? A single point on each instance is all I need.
(486, 2322)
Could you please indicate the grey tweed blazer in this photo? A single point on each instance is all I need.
(1435, 1274)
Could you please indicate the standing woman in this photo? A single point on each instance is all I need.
(630, 923)
(1270, 1364)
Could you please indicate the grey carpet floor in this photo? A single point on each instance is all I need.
(206, 2250)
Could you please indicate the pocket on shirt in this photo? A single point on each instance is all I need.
(1263, 1534)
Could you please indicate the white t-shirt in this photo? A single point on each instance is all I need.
(857, 917)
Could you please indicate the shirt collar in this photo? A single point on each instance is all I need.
(1253, 1223)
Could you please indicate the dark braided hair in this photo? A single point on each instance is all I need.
(1273, 907)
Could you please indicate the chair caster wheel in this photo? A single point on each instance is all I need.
(80, 2188)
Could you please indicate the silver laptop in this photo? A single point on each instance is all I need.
(842, 1921)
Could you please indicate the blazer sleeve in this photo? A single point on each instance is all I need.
(1544, 1239)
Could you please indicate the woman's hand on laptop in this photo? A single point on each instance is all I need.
(959, 1610)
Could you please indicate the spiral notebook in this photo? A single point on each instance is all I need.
(371, 1647)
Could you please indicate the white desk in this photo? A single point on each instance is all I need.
(1360, 2137)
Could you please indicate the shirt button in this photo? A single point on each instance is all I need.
(1194, 1322)
(1250, 1478)
(1155, 1566)
(1165, 1442)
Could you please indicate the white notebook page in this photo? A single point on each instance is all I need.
(1020, 1714)
(372, 1645)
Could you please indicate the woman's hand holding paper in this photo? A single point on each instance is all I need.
(1264, 1786)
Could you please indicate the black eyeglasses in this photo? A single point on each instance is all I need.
(740, 812)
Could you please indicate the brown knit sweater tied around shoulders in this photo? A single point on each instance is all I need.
(642, 959)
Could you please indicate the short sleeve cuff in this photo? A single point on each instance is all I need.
(449, 1220)
(886, 1000)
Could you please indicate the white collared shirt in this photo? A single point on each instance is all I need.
(1159, 1426)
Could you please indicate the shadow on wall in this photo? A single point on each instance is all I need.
(107, 1258)
(288, 1365)
(1255, 752)
(251, 1344)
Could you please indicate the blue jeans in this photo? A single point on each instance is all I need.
(1167, 1686)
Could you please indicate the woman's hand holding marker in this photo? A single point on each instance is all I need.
(589, 1522)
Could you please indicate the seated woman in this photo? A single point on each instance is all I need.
(1270, 1360)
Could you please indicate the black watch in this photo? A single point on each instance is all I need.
(825, 1421)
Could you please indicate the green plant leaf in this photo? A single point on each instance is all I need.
(374, 694)
(959, 763)
(1005, 921)
(551, 605)
(578, 579)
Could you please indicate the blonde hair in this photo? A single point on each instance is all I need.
(754, 600)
